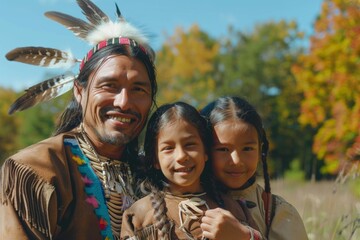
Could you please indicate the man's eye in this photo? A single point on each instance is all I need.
(109, 86)
(140, 89)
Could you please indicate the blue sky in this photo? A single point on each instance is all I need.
(23, 23)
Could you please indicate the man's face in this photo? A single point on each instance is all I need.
(116, 102)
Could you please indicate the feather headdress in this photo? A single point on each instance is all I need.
(99, 31)
(40, 56)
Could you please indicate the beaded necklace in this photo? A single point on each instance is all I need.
(116, 179)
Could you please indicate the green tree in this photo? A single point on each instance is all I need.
(10, 124)
(29, 126)
(39, 121)
(257, 65)
(185, 66)
(328, 76)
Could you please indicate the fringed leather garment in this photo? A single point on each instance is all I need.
(184, 213)
(44, 195)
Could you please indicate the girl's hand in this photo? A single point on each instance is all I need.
(221, 224)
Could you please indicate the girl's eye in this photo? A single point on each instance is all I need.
(190, 144)
(139, 89)
(248, 149)
(166, 148)
(222, 149)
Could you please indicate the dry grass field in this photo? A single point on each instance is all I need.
(330, 210)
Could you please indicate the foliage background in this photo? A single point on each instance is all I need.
(306, 89)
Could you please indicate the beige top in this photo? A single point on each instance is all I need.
(138, 220)
(286, 224)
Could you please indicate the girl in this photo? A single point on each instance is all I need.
(239, 144)
(177, 145)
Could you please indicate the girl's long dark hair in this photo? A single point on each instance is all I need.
(162, 116)
(226, 108)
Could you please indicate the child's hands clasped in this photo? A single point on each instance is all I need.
(221, 224)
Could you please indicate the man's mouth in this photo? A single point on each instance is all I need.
(120, 116)
(120, 119)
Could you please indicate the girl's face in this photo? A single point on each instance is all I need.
(235, 152)
(181, 156)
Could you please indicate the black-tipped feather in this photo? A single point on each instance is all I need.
(79, 27)
(92, 12)
(40, 56)
(118, 13)
(43, 91)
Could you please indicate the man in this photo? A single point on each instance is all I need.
(76, 184)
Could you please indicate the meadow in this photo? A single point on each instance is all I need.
(330, 209)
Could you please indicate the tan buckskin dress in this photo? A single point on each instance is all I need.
(286, 224)
(138, 220)
(42, 195)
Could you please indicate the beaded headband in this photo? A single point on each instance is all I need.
(112, 41)
(99, 32)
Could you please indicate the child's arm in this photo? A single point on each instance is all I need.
(221, 224)
(127, 226)
(137, 221)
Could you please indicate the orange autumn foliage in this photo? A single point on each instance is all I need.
(329, 78)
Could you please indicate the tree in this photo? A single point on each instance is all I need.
(27, 127)
(185, 65)
(39, 121)
(257, 65)
(10, 124)
(328, 77)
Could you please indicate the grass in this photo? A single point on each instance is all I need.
(330, 209)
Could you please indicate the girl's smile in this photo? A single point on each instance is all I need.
(181, 156)
(235, 152)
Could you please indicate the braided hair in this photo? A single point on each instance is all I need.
(155, 179)
(226, 108)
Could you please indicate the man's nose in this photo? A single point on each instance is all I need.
(122, 100)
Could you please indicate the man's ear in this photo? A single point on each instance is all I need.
(78, 92)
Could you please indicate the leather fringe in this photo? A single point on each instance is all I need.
(147, 233)
(151, 233)
(28, 193)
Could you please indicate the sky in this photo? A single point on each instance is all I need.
(23, 23)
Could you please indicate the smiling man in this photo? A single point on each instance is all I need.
(76, 184)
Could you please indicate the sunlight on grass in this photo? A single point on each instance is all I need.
(330, 209)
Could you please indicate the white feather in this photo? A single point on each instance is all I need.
(65, 64)
(116, 29)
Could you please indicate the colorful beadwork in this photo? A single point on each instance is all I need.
(92, 188)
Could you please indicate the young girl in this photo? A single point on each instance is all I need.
(239, 144)
(177, 146)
